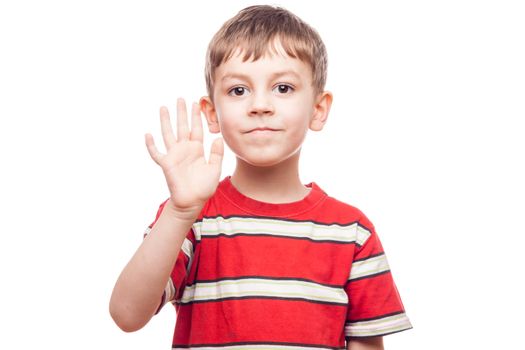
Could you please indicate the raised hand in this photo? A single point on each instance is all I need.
(191, 180)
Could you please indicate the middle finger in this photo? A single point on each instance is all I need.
(183, 131)
(196, 122)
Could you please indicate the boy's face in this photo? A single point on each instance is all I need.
(273, 92)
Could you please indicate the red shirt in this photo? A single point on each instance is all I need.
(310, 273)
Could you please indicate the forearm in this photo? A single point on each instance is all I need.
(366, 343)
(139, 288)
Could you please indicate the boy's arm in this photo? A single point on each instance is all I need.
(367, 343)
(139, 287)
(191, 181)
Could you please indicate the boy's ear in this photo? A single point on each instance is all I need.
(207, 107)
(321, 110)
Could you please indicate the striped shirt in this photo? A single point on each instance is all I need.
(302, 275)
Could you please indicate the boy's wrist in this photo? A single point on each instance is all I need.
(182, 214)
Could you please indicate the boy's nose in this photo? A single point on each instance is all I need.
(261, 104)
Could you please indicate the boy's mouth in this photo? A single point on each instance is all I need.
(262, 129)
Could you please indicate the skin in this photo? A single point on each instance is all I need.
(266, 165)
(191, 181)
(368, 343)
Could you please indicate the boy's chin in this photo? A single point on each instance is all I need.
(262, 161)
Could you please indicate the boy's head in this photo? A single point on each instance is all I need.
(265, 68)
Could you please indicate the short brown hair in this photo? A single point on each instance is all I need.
(253, 30)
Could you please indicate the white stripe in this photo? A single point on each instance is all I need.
(369, 267)
(147, 230)
(170, 291)
(234, 225)
(187, 248)
(380, 326)
(253, 346)
(258, 287)
(362, 235)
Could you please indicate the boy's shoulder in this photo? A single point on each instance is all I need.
(343, 210)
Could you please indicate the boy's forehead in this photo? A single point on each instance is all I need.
(271, 64)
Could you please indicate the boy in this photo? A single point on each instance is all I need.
(257, 259)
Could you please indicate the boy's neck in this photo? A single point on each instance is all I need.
(275, 184)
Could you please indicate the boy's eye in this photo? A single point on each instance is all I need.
(283, 88)
(238, 91)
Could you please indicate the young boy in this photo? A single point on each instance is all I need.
(257, 259)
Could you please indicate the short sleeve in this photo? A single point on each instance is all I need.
(374, 305)
(178, 277)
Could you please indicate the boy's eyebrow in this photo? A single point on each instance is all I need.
(273, 76)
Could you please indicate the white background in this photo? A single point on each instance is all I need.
(425, 136)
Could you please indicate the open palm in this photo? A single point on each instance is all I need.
(191, 180)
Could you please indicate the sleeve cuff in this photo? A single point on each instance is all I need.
(167, 295)
(378, 326)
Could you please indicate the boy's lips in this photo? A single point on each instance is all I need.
(262, 129)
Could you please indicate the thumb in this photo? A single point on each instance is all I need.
(217, 151)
